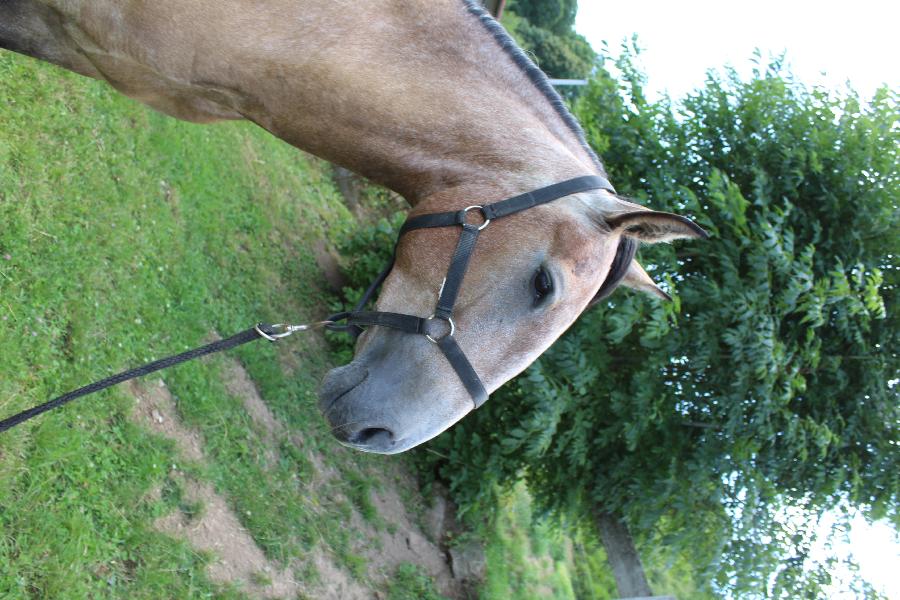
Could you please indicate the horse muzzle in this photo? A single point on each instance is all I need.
(397, 393)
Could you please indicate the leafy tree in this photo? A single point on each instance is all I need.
(555, 16)
(552, 42)
(727, 422)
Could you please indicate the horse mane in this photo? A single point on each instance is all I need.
(534, 74)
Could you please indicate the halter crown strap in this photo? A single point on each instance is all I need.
(512, 205)
(442, 334)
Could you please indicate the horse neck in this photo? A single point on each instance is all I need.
(421, 99)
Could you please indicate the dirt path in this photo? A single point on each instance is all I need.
(218, 530)
(239, 561)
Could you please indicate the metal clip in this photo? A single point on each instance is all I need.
(286, 330)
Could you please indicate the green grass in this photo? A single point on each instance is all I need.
(526, 558)
(534, 558)
(126, 236)
(411, 583)
(360, 495)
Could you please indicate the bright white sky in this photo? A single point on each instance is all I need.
(850, 40)
(827, 43)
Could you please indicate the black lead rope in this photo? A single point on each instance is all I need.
(260, 331)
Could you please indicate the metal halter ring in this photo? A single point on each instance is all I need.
(481, 208)
(452, 328)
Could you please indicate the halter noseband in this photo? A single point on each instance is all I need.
(439, 327)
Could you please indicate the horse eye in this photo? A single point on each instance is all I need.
(542, 285)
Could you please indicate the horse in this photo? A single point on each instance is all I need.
(429, 98)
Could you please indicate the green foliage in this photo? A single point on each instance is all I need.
(765, 384)
(545, 31)
(556, 16)
(366, 251)
(529, 557)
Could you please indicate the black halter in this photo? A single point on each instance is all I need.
(442, 333)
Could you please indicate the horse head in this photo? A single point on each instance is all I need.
(528, 279)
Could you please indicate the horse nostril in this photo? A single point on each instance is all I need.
(372, 436)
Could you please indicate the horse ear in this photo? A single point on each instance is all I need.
(637, 279)
(652, 227)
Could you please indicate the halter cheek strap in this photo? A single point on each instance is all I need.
(439, 328)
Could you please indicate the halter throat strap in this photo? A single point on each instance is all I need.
(439, 328)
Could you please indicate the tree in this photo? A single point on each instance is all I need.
(555, 16)
(545, 30)
(765, 394)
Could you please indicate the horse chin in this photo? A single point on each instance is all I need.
(379, 408)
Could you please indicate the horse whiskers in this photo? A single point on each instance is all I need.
(347, 424)
(330, 410)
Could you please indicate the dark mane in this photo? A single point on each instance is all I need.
(537, 77)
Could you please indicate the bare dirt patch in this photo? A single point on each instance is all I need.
(408, 544)
(155, 409)
(239, 561)
(336, 583)
(384, 551)
(327, 261)
(239, 385)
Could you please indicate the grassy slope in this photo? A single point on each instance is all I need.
(125, 236)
